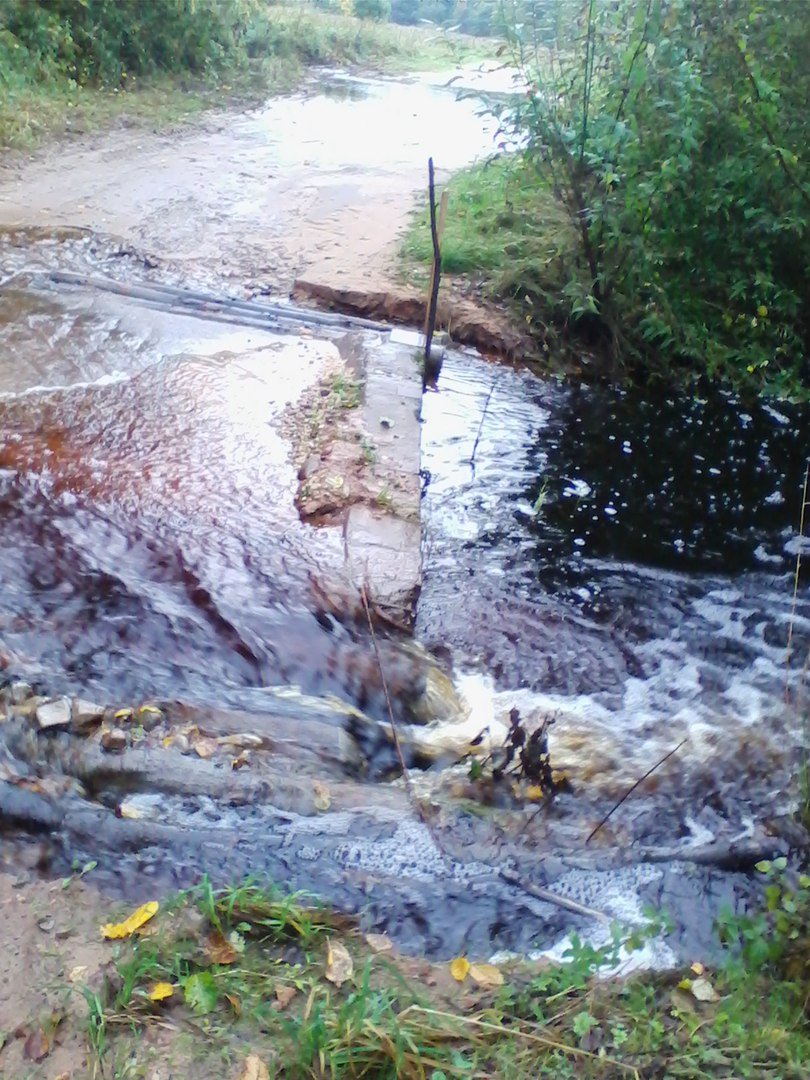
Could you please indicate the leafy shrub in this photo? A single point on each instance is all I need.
(674, 135)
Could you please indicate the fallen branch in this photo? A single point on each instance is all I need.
(551, 898)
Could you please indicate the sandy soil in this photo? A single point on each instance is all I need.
(50, 946)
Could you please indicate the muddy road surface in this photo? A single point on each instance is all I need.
(317, 183)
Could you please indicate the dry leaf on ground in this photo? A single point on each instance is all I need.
(459, 968)
(254, 1069)
(37, 1046)
(284, 995)
(222, 950)
(486, 975)
(205, 748)
(339, 965)
(379, 942)
(160, 991)
(135, 921)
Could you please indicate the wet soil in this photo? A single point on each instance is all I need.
(289, 190)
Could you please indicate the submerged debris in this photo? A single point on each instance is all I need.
(521, 766)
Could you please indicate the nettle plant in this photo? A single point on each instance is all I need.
(674, 134)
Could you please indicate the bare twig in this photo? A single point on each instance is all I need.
(435, 278)
(551, 898)
(630, 790)
(505, 875)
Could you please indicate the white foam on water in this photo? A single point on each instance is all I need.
(110, 378)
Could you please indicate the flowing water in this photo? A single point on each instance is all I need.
(620, 561)
(627, 561)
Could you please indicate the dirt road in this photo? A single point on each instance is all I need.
(320, 183)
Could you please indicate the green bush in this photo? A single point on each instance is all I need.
(675, 136)
(103, 42)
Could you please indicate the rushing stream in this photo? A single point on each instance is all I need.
(622, 561)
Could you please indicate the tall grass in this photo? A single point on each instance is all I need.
(505, 232)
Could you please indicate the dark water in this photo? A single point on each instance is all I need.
(627, 563)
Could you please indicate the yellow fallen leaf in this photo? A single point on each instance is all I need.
(459, 968)
(78, 973)
(135, 921)
(160, 991)
(235, 1003)
(167, 741)
(323, 797)
(150, 710)
(339, 965)
(697, 968)
(124, 714)
(535, 793)
(254, 1069)
(703, 990)
(486, 975)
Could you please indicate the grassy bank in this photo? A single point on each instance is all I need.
(249, 983)
(245, 51)
(506, 238)
(676, 149)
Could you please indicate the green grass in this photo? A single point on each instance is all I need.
(504, 233)
(282, 44)
(395, 1018)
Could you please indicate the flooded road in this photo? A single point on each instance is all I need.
(317, 183)
(618, 562)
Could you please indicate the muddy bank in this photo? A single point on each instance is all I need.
(481, 326)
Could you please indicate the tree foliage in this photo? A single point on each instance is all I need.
(480, 17)
(102, 42)
(675, 134)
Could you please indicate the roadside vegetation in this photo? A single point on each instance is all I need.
(250, 983)
(73, 65)
(655, 205)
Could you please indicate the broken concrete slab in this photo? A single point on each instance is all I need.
(384, 558)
